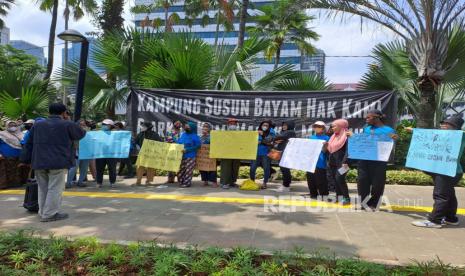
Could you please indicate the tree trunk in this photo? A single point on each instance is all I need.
(217, 27)
(427, 106)
(51, 40)
(166, 19)
(278, 57)
(242, 21)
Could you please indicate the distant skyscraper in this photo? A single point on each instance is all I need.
(4, 36)
(31, 49)
(74, 54)
(289, 52)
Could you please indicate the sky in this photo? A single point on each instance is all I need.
(27, 22)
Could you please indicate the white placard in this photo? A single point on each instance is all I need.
(301, 154)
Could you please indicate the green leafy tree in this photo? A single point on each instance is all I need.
(424, 26)
(12, 59)
(5, 5)
(110, 16)
(284, 21)
(394, 70)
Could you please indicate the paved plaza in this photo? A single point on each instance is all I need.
(208, 216)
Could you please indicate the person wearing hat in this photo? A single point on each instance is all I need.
(445, 201)
(317, 181)
(372, 174)
(230, 167)
(28, 125)
(280, 143)
(50, 151)
(102, 163)
(146, 132)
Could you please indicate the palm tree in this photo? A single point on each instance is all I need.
(394, 70)
(5, 5)
(284, 21)
(424, 26)
(242, 20)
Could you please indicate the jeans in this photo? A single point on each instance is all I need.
(101, 163)
(371, 180)
(83, 166)
(445, 201)
(265, 163)
(51, 184)
(317, 183)
(287, 177)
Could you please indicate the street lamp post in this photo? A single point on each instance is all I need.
(74, 36)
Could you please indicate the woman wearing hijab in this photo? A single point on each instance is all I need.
(10, 151)
(337, 159)
(191, 142)
(372, 174)
(265, 139)
(172, 136)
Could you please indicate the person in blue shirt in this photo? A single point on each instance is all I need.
(265, 139)
(191, 142)
(445, 201)
(372, 174)
(10, 151)
(317, 182)
(208, 177)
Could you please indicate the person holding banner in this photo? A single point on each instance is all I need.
(146, 132)
(317, 182)
(81, 164)
(191, 142)
(372, 174)
(280, 142)
(101, 163)
(208, 177)
(445, 201)
(265, 139)
(172, 136)
(230, 167)
(337, 160)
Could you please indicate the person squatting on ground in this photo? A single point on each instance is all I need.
(191, 142)
(317, 182)
(265, 142)
(172, 136)
(10, 151)
(372, 174)
(445, 201)
(50, 151)
(207, 177)
(230, 167)
(280, 143)
(101, 163)
(337, 159)
(146, 132)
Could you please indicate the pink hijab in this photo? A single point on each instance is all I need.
(337, 140)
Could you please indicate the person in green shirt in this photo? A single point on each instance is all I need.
(445, 202)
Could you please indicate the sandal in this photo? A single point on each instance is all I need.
(264, 187)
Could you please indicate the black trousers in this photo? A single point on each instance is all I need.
(371, 180)
(339, 181)
(100, 165)
(287, 177)
(229, 171)
(445, 201)
(126, 162)
(317, 183)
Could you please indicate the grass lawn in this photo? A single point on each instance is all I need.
(22, 253)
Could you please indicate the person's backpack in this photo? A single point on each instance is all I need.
(31, 197)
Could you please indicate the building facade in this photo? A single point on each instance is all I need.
(289, 53)
(74, 54)
(4, 35)
(30, 49)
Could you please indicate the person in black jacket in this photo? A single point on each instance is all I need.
(280, 142)
(147, 132)
(50, 150)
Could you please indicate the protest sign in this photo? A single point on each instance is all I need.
(234, 144)
(159, 155)
(203, 162)
(301, 154)
(105, 144)
(375, 147)
(436, 151)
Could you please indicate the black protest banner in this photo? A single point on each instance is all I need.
(163, 107)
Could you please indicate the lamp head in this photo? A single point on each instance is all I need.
(72, 36)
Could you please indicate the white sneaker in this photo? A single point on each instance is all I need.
(426, 224)
(283, 189)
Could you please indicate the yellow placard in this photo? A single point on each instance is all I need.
(162, 156)
(234, 144)
(203, 162)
